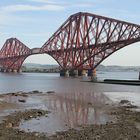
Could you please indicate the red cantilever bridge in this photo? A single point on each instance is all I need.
(82, 42)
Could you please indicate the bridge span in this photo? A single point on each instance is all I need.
(83, 41)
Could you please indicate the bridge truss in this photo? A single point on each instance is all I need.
(82, 42)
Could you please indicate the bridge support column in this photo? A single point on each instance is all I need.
(15, 71)
(74, 73)
(1, 70)
(64, 73)
(94, 75)
(84, 73)
(90, 72)
(9, 70)
(20, 70)
(79, 72)
(4, 70)
(67, 73)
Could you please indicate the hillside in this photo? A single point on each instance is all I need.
(31, 67)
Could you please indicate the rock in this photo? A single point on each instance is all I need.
(35, 91)
(22, 100)
(39, 113)
(9, 125)
(24, 95)
(49, 92)
(89, 103)
(36, 134)
(124, 102)
(13, 94)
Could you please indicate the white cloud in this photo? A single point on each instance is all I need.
(119, 14)
(16, 8)
(67, 4)
(38, 34)
(82, 5)
(8, 14)
(42, 1)
(49, 1)
(7, 19)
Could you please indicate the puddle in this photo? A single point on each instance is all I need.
(133, 97)
(10, 103)
(138, 125)
(69, 110)
(13, 99)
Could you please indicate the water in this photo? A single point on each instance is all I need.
(118, 75)
(68, 110)
(10, 82)
(75, 102)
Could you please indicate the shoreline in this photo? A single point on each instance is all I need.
(124, 124)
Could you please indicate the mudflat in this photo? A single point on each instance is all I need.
(123, 125)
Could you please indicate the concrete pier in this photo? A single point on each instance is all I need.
(62, 73)
(9, 70)
(72, 73)
(19, 71)
(1, 70)
(67, 73)
(79, 72)
(76, 73)
(94, 75)
(4, 70)
(84, 73)
(15, 71)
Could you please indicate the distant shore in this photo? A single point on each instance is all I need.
(37, 70)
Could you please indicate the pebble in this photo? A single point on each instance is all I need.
(9, 125)
(22, 100)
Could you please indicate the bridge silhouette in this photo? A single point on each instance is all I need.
(83, 41)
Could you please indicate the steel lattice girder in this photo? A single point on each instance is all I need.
(85, 40)
(82, 42)
(13, 54)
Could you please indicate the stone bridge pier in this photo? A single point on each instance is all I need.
(76, 73)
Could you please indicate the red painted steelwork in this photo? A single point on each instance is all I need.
(82, 42)
(13, 54)
(85, 40)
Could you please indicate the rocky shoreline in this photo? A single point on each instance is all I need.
(125, 124)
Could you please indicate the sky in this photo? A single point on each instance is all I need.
(34, 21)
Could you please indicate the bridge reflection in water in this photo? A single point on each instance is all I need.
(70, 110)
(79, 108)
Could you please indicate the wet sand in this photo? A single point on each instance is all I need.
(81, 117)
